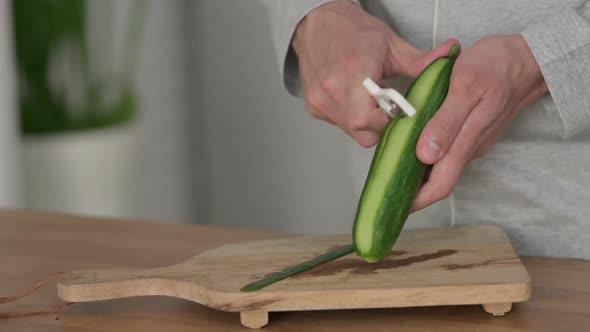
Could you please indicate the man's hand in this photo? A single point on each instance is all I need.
(338, 46)
(490, 84)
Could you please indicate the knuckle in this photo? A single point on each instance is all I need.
(480, 154)
(353, 62)
(464, 83)
(466, 147)
(445, 131)
(447, 124)
(316, 98)
(445, 195)
(358, 122)
(442, 132)
(365, 139)
(443, 190)
(484, 148)
(464, 152)
(315, 113)
(365, 143)
(331, 81)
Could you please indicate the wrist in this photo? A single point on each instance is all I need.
(530, 68)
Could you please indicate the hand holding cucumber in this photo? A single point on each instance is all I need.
(463, 104)
(492, 81)
(339, 45)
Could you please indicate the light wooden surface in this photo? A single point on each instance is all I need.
(445, 266)
(33, 245)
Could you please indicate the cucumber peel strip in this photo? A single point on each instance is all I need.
(299, 268)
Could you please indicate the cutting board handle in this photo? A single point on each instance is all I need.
(107, 284)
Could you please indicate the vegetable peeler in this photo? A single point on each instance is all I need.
(389, 100)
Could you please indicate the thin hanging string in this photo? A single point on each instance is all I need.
(452, 204)
(27, 291)
(46, 310)
(434, 23)
(434, 35)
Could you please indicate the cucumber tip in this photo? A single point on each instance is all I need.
(454, 52)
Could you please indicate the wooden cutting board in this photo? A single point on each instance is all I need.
(429, 267)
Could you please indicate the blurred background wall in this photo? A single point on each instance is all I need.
(219, 140)
(267, 162)
(170, 154)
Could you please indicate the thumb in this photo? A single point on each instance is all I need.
(406, 60)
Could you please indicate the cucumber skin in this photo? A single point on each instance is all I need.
(404, 184)
(299, 268)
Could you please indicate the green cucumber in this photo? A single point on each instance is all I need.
(396, 173)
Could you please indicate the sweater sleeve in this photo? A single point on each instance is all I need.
(284, 16)
(561, 46)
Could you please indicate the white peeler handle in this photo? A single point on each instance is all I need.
(389, 99)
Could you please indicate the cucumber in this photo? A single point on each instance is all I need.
(396, 173)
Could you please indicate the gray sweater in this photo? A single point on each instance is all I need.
(534, 182)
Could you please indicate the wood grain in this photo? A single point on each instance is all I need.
(34, 245)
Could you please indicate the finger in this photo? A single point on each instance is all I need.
(318, 104)
(365, 121)
(407, 60)
(478, 125)
(443, 178)
(440, 132)
(446, 172)
(365, 138)
(486, 144)
(491, 135)
(366, 127)
(316, 113)
(376, 120)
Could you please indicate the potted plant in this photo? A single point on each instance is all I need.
(76, 62)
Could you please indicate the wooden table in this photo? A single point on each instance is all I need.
(33, 245)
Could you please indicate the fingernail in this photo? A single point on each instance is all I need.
(431, 151)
